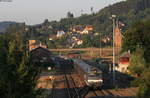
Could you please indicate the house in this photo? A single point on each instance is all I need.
(60, 33)
(41, 55)
(123, 63)
(75, 40)
(87, 30)
(52, 37)
(35, 44)
(106, 39)
(77, 29)
(89, 27)
(79, 42)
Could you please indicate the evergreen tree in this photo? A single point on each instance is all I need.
(18, 75)
(137, 40)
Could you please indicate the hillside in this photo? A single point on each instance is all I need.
(4, 25)
(127, 11)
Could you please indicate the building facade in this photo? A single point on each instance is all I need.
(118, 37)
(123, 64)
(33, 44)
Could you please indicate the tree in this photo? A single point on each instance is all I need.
(70, 15)
(137, 40)
(138, 37)
(46, 22)
(18, 74)
(87, 41)
(144, 91)
(137, 62)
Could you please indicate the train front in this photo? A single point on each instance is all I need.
(94, 81)
(94, 78)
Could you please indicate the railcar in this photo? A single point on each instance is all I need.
(91, 75)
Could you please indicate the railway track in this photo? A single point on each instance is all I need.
(53, 93)
(61, 93)
(73, 91)
(110, 94)
(67, 86)
(103, 93)
(95, 94)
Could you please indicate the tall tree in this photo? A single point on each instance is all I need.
(18, 74)
(137, 40)
(138, 36)
(70, 15)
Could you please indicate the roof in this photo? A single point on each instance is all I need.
(36, 43)
(125, 54)
(40, 48)
(82, 64)
(40, 53)
(124, 60)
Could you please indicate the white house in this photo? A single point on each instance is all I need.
(123, 63)
(60, 33)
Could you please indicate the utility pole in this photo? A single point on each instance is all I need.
(113, 17)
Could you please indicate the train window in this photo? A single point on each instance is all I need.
(94, 75)
(91, 75)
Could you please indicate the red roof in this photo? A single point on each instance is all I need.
(124, 60)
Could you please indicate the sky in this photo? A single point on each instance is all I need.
(36, 11)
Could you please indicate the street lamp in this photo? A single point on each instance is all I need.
(113, 17)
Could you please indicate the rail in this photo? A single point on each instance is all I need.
(53, 93)
(75, 89)
(73, 92)
(67, 86)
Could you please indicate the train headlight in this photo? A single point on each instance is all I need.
(100, 80)
(90, 81)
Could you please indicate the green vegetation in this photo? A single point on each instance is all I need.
(18, 75)
(137, 40)
(127, 12)
(144, 91)
(138, 37)
(137, 62)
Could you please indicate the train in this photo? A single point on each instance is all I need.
(91, 75)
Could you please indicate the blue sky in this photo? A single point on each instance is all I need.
(35, 11)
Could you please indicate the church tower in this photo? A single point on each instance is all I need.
(118, 36)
